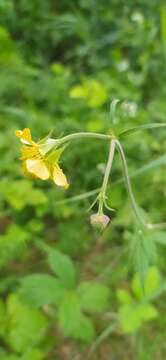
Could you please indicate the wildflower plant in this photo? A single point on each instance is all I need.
(41, 160)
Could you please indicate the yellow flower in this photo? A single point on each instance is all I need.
(38, 164)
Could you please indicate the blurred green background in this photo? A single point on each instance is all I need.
(61, 63)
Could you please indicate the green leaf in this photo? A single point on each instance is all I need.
(133, 316)
(91, 90)
(13, 243)
(130, 320)
(148, 312)
(85, 330)
(124, 297)
(26, 327)
(41, 289)
(139, 257)
(62, 266)
(72, 321)
(151, 283)
(143, 253)
(21, 193)
(93, 296)
(69, 313)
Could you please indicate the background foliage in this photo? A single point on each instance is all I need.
(68, 292)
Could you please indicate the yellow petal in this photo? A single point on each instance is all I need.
(25, 136)
(59, 177)
(37, 168)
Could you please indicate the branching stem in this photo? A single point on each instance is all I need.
(114, 143)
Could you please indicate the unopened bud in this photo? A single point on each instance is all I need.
(99, 221)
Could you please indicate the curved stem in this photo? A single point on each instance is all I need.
(79, 135)
(140, 128)
(135, 207)
(128, 185)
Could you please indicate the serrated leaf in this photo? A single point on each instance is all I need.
(62, 266)
(93, 296)
(72, 321)
(41, 289)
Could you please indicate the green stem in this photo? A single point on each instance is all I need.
(109, 166)
(140, 128)
(149, 166)
(114, 142)
(128, 184)
(102, 194)
(135, 207)
(106, 333)
(80, 135)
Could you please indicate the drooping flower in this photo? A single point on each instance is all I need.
(39, 162)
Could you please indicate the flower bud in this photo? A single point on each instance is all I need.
(99, 221)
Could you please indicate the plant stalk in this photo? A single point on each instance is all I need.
(80, 135)
(141, 128)
(102, 194)
(135, 207)
(128, 185)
